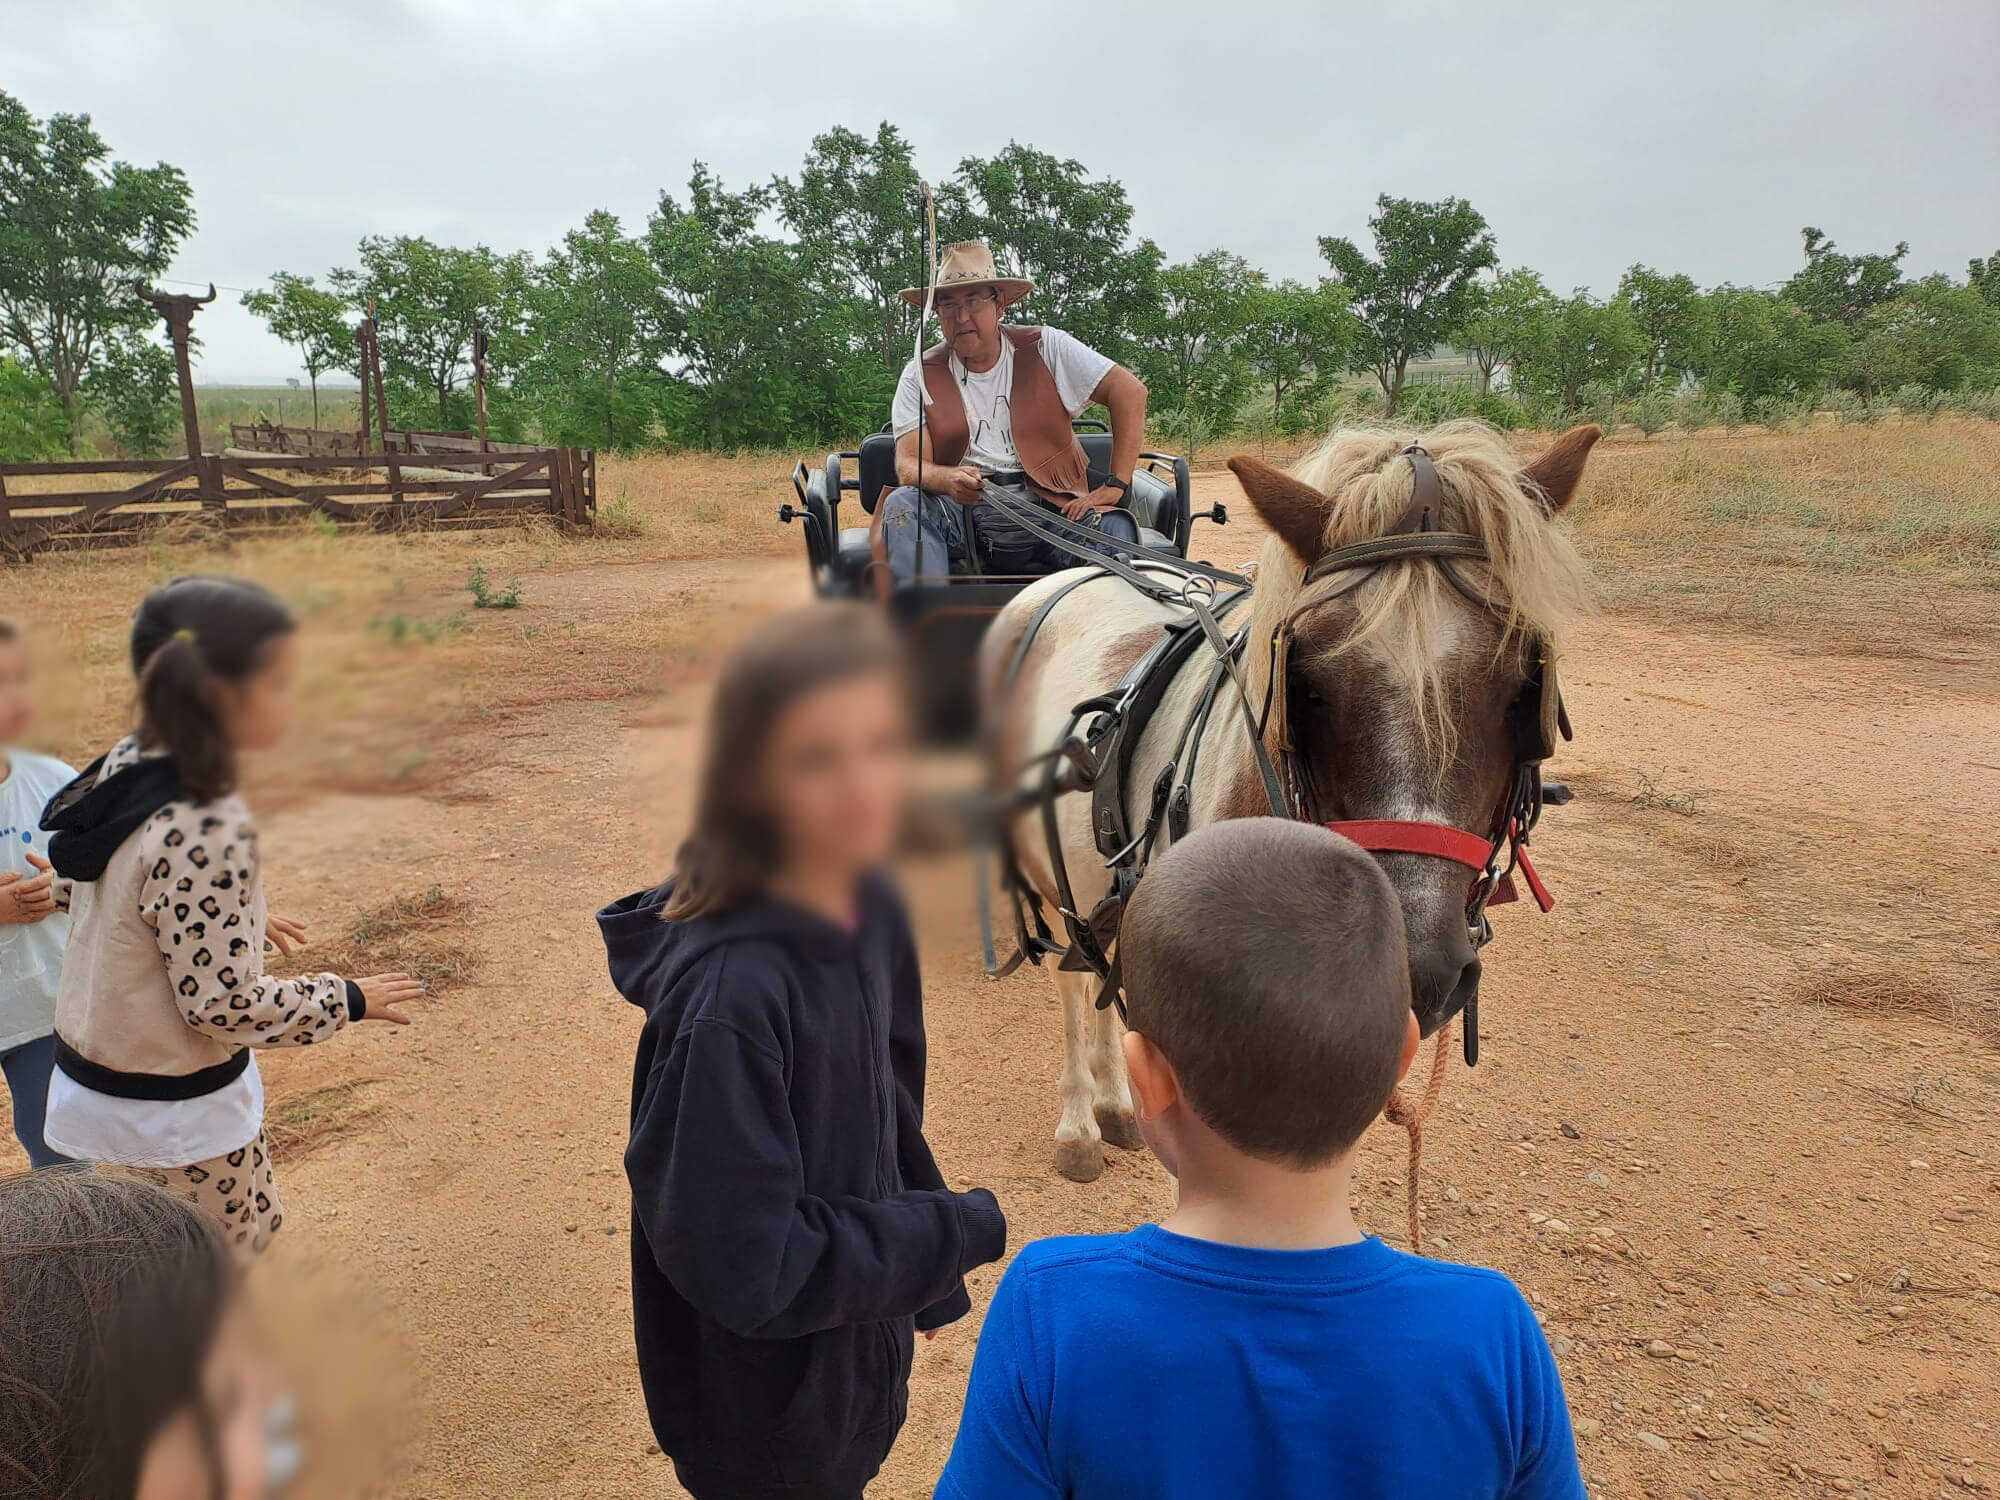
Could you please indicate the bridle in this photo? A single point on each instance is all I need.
(1535, 717)
(1094, 749)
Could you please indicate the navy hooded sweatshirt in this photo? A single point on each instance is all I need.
(789, 1227)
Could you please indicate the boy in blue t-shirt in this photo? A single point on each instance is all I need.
(1256, 1342)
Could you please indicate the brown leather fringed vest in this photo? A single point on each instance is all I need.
(1050, 455)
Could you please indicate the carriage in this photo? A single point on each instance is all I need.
(944, 617)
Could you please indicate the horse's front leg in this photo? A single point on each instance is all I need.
(1116, 1120)
(1079, 1143)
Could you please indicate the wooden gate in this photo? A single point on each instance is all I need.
(39, 510)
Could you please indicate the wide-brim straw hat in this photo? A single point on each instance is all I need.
(970, 263)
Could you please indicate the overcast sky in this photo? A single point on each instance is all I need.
(1692, 136)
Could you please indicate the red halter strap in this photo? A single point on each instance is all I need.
(1442, 841)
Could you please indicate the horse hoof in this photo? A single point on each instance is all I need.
(1080, 1161)
(1121, 1129)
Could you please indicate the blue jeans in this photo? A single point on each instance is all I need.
(927, 536)
(27, 1068)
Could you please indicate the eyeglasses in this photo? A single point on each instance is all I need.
(964, 304)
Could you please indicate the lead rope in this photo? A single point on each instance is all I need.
(1399, 1111)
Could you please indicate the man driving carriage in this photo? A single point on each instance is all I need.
(1001, 401)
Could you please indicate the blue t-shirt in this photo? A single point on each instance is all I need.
(1151, 1364)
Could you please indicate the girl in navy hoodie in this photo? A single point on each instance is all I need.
(791, 1231)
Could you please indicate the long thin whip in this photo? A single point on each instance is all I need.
(917, 351)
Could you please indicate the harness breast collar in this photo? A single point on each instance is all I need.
(1096, 747)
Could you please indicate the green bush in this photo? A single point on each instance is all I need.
(1773, 413)
(1692, 412)
(32, 426)
(1649, 413)
(1428, 405)
(1918, 401)
(1977, 403)
(1727, 408)
(1502, 411)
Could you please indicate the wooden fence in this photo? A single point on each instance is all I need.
(233, 489)
(269, 437)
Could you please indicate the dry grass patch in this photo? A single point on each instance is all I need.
(416, 935)
(1899, 994)
(1883, 538)
(296, 1125)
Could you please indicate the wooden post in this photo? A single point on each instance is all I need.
(361, 363)
(375, 366)
(479, 384)
(178, 311)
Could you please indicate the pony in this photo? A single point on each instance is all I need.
(1394, 699)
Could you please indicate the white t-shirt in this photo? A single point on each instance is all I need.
(30, 957)
(1077, 369)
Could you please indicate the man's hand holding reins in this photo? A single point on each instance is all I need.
(962, 483)
(1104, 497)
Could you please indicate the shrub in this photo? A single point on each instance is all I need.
(1692, 412)
(486, 596)
(1727, 408)
(1649, 413)
(1918, 401)
(1977, 403)
(1773, 413)
(1502, 411)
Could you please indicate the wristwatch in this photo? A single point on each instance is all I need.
(1113, 482)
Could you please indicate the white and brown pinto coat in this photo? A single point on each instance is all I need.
(1397, 697)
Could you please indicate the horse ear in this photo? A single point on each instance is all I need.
(1558, 470)
(1294, 510)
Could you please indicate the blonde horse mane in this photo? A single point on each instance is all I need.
(1534, 577)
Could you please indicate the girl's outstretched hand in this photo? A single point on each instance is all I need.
(286, 935)
(381, 994)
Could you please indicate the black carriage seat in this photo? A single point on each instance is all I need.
(1153, 500)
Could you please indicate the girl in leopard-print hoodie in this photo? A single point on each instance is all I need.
(164, 993)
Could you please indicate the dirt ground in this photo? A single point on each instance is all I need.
(1735, 1130)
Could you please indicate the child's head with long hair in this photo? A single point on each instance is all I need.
(807, 760)
(214, 659)
(122, 1375)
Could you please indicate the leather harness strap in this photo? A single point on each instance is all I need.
(1102, 753)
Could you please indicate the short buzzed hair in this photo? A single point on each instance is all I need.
(1266, 960)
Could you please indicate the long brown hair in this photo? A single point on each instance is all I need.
(188, 637)
(114, 1291)
(733, 849)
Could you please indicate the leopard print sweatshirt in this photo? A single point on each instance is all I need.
(165, 972)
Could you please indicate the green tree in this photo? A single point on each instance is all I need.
(1422, 286)
(1666, 310)
(1983, 276)
(1194, 357)
(595, 337)
(758, 358)
(33, 428)
(1512, 319)
(1585, 342)
(428, 298)
(1937, 334)
(137, 387)
(1297, 339)
(1836, 288)
(1759, 345)
(855, 208)
(1067, 233)
(75, 233)
(312, 320)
